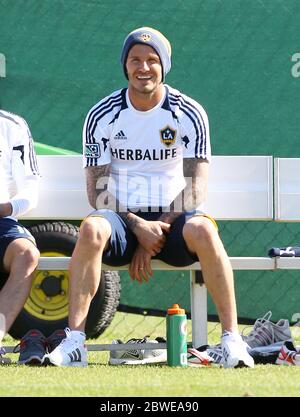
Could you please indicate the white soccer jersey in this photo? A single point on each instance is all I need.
(145, 149)
(18, 166)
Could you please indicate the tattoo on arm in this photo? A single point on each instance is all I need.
(93, 174)
(96, 184)
(196, 176)
(195, 191)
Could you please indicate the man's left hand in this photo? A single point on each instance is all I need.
(140, 266)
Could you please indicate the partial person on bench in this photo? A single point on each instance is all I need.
(18, 194)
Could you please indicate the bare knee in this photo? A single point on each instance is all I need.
(29, 257)
(200, 231)
(94, 233)
(24, 260)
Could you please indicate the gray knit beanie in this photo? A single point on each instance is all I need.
(153, 38)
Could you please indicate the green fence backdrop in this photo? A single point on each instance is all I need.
(238, 58)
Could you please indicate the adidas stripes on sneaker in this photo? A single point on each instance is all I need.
(234, 350)
(70, 352)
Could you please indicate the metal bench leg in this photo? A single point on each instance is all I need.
(198, 293)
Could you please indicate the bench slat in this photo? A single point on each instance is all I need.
(238, 263)
(287, 263)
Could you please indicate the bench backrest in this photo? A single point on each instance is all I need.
(287, 189)
(240, 188)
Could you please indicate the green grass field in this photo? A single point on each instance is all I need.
(102, 380)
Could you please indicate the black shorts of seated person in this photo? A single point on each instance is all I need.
(123, 242)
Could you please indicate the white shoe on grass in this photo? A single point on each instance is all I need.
(3, 360)
(128, 355)
(70, 352)
(235, 351)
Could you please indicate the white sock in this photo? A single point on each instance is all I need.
(78, 335)
(235, 335)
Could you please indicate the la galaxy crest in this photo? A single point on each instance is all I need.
(167, 136)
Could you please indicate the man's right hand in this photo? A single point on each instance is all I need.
(151, 234)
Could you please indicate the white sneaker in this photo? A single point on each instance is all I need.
(139, 356)
(3, 360)
(216, 354)
(235, 353)
(70, 352)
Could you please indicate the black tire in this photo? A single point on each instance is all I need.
(60, 238)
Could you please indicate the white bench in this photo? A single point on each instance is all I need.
(240, 188)
(287, 200)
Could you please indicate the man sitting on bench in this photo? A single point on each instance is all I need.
(150, 144)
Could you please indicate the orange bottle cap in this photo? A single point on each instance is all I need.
(176, 310)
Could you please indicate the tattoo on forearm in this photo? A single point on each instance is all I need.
(196, 175)
(194, 193)
(98, 196)
(93, 174)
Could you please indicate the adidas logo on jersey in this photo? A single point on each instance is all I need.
(120, 136)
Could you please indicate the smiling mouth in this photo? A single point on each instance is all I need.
(144, 78)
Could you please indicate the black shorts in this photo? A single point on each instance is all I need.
(123, 242)
(10, 230)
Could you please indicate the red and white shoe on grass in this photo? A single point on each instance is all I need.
(288, 355)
